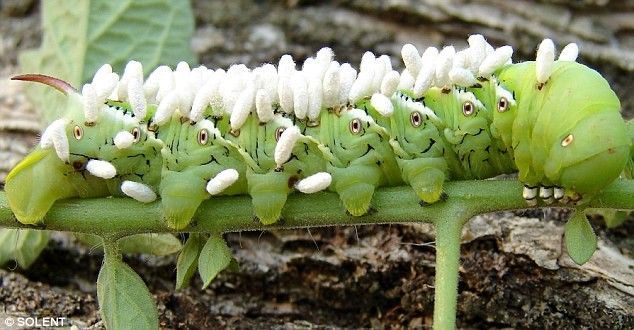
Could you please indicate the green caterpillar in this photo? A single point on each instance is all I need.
(265, 132)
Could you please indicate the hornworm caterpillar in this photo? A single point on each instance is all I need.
(265, 132)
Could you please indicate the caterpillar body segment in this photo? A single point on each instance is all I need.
(424, 157)
(270, 180)
(194, 154)
(362, 159)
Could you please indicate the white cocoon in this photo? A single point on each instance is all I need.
(495, 60)
(544, 60)
(123, 139)
(55, 136)
(101, 169)
(314, 183)
(411, 58)
(138, 191)
(136, 97)
(382, 104)
(285, 145)
(390, 82)
(91, 103)
(222, 181)
(569, 53)
(263, 106)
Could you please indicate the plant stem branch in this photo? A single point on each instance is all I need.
(448, 233)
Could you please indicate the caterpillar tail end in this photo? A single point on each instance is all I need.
(32, 187)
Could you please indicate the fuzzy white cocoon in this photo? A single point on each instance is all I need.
(242, 107)
(382, 104)
(285, 70)
(101, 169)
(300, 94)
(123, 139)
(569, 53)
(133, 70)
(406, 81)
(91, 103)
(444, 62)
(544, 60)
(222, 181)
(263, 106)
(138, 191)
(495, 60)
(331, 85)
(462, 77)
(390, 83)
(411, 58)
(314, 183)
(55, 136)
(347, 75)
(285, 145)
(136, 97)
(166, 108)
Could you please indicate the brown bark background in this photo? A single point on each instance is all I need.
(514, 273)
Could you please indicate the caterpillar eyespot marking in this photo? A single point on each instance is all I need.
(203, 137)
(503, 104)
(459, 114)
(468, 108)
(355, 126)
(136, 134)
(278, 133)
(416, 119)
(78, 132)
(567, 140)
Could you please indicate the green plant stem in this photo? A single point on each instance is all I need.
(448, 233)
(124, 216)
(118, 217)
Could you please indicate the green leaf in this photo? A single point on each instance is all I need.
(8, 240)
(612, 218)
(187, 263)
(80, 36)
(30, 245)
(214, 257)
(156, 244)
(581, 241)
(23, 246)
(124, 300)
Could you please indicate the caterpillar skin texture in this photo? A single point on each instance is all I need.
(43, 178)
(200, 132)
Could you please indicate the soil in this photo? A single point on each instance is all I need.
(514, 269)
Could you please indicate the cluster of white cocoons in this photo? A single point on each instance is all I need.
(320, 83)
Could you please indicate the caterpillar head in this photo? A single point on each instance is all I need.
(503, 106)
(472, 115)
(413, 124)
(47, 174)
(355, 134)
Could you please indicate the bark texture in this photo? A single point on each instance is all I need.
(514, 273)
